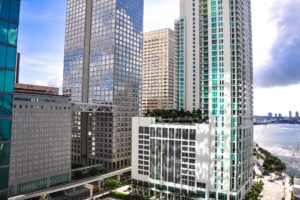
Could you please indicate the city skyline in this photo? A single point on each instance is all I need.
(47, 19)
(201, 145)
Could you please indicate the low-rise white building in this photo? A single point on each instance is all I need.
(172, 158)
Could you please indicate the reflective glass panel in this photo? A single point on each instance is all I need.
(4, 178)
(11, 57)
(12, 34)
(5, 129)
(4, 8)
(2, 56)
(14, 10)
(3, 31)
(9, 81)
(4, 154)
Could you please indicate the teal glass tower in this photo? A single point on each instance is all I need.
(9, 20)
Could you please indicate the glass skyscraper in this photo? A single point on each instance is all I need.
(102, 66)
(9, 21)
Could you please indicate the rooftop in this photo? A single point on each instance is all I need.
(36, 89)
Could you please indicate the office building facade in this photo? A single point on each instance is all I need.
(41, 139)
(9, 21)
(171, 161)
(102, 68)
(159, 75)
(215, 75)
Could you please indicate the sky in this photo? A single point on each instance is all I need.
(276, 46)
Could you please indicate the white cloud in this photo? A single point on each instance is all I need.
(160, 14)
(42, 69)
(41, 83)
(277, 100)
(264, 30)
(265, 33)
(54, 81)
(48, 63)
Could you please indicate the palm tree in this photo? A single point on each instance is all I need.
(291, 182)
(43, 197)
(174, 115)
(194, 115)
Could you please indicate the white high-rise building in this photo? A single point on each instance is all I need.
(215, 75)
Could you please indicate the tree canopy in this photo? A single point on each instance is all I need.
(272, 163)
(177, 116)
(256, 189)
(112, 183)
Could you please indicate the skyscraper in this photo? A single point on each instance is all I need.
(9, 21)
(215, 74)
(159, 90)
(290, 114)
(102, 68)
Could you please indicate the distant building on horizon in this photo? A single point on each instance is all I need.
(279, 115)
(276, 115)
(270, 114)
(297, 114)
(290, 114)
(41, 139)
(17, 71)
(159, 76)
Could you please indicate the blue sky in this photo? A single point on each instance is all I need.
(41, 40)
(276, 46)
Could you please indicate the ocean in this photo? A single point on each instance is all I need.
(282, 140)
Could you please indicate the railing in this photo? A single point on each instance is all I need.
(70, 185)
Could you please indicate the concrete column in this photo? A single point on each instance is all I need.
(119, 178)
(87, 45)
(91, 188)
(100, 183)
(84, 138)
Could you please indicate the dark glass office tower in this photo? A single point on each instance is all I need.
(9, 20)
(103, 52)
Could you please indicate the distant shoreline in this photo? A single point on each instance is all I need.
(279, 123)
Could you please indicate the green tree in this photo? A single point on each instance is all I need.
(256, 189)
(43, 197)
(174, 115)
(112, 183)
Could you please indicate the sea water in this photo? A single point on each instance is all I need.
(282, 140)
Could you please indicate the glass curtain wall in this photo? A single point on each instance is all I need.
(9, 20)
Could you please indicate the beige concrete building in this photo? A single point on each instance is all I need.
(159, 88)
